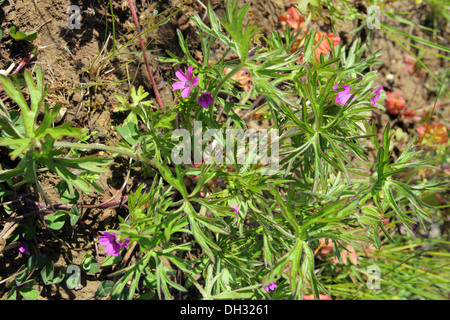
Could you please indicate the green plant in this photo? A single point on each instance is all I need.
(34, 144)
(212, 229)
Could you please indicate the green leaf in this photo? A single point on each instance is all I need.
(36, 262)
(168, 176)
(28, 231)
(56, 220)
(64, 192)
(129, 132)
(146, 296)
(185, 49)
(18, 35)
(111, 260)
(420, 40)
(389, 196)
(12, 295)
(29, 293)
(202, 239)
(74, 215)
(89, 264)
(47, 272)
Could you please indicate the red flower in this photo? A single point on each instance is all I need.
(293, 18)
(412, 66)
(394, 102)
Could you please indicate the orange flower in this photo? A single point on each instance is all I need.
(434, 134)
(297, 21)
(324, 46)
(293, 18)
(394, 102)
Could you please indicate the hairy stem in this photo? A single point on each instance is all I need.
(141, 41)
(102, 147)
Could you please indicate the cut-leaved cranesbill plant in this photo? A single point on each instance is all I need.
(32, 143)
(217, 225)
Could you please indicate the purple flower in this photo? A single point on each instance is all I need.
(205, 100)
(235, 207)
(187, 82)
(253, 51)
(271, 286)
(23, 247)
(113, 246)
(343, 96)
(375, 99)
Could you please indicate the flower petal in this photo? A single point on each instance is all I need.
(125, 243)
(178, 85)
(189, 74)
(113, 249)
(195, 81)
(107, 237)
(23, 247)
(343, 96)
(185, 92)
(104, 241)
(181, 75)
(203, 104)
(374, 100)
(378, 90)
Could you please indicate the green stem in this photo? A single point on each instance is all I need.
(331, 180)
(221, 83)
(97, 146)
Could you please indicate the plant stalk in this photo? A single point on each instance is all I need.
(221, 83)
(102, 147)
(141, 41)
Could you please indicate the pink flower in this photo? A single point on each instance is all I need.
(113, 246)
(311, 297)
(23, 247)
(235, 207)
(343, 96)
(187, 82)
(326, 247)
(271, 286)
(375, 99)
(205, 100)
(351, 253)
